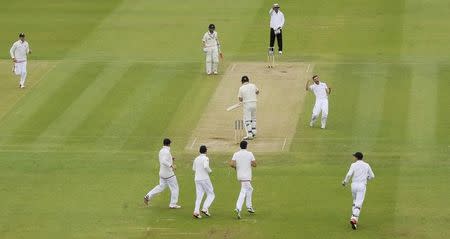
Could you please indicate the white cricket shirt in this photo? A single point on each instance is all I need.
(210, 39)
(201, 167)
(248, 92)
(319, 90)
(276, 19)
(243, 159)
(359, 172)
(165, 163)
(20, 50)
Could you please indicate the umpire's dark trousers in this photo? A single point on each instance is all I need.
(279, 39)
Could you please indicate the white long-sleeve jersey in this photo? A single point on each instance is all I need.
(201, 167)
(276, 19)
(19, 50)
(165, 163)
(359, 172)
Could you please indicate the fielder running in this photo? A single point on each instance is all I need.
(248, 96)
(360, 172)
(167, 177)
(202, 183)
(19, 52)
(321, 90)
(211, 47)
(243, 161)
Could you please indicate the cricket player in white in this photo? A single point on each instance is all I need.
(167, 177)
(211, 47)
(202, 183)
(321, 91)
(19, 52)
(360, 172)
(243, 161)
(248, 96)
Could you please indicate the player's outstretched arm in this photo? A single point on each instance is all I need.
(308, 83)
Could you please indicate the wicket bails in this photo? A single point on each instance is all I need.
(239, 131)
(270, 58)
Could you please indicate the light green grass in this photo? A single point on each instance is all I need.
(78, 150)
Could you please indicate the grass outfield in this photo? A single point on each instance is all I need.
(109, 79)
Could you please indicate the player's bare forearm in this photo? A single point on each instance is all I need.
(329, 90)
(307, 85)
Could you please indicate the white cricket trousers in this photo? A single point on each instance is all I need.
(202, 187)
(249, 109)
(20, 69)
(245, 194)
(172, 183)
(320, 106)
(212, 59)
(358, 193)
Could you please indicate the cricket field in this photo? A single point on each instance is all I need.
(109, 79)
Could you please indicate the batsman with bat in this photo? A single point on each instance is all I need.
(211, 47)
(247, 95)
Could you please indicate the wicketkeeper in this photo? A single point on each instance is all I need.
(211, 47)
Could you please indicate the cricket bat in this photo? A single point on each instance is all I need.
(235, 106)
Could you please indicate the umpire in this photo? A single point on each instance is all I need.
(276, 24)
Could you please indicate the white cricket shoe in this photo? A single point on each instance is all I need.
(175, 206)
(146, 200)
(205, 212)
(250, 210)
(238, 213)
(22, 86)
(215, 72)
(280, 53)
(311, 124)
(354, 224)
(197, 216)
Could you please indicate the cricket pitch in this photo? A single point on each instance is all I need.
(280, 104)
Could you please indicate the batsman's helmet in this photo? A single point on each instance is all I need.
(212, 26)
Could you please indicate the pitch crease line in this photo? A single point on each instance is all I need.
(284, 144)
(193, 142)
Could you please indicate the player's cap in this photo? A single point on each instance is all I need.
(212, 26)
(21, 34)
(276, 5)
(358, 155)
